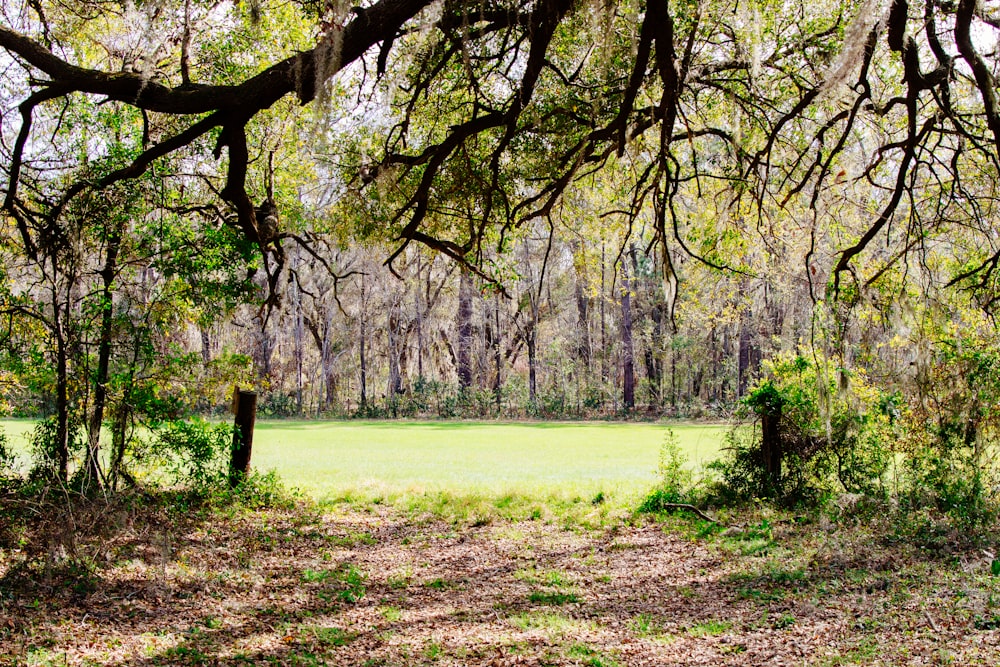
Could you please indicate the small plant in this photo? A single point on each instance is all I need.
(675, 479)
(710, 628)
(784, 621)
(808, 429)
(195, 452)
(553, 597)
(349, 579)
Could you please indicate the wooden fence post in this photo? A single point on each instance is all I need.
(245, 409)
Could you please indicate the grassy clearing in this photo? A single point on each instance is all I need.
(389, 460)
(372, 459)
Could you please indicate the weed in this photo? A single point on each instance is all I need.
(553, 597)
(784, 621)
(349, 579)
(590, 657)
(391, 614)
(645, 625)
(433, 651)
(709, 628)
(326, 636)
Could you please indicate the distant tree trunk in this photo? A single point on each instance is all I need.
(297, 333)
(206, 345)
(363, 400)
(326, 362)
(531, 342)
(263, 350)
(497, 356)
(654, 358)
(604, 331)
(582, 318)
(395, 386)
(465, 330)
(628, 350)
(419, 308)
(748, 358)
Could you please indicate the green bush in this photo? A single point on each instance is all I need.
(194, 452)
(805, 431)
(950, 434)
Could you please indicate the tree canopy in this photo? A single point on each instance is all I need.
(874, 121)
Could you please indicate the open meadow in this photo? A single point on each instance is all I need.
(371, 459)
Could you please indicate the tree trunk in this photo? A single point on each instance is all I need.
(582, 322)
(531, 341)
(628, 350)
(395, 386)
(497, 356)
(93, 477)
(363, 400)
(206, 345)
(748, 358)
(465, 330)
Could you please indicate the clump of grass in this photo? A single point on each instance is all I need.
(710, 628)
(553, 597)
(349, 581)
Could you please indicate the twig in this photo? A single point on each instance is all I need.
(690, 508)
(930, 620)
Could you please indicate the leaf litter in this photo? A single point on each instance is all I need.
(348, 585)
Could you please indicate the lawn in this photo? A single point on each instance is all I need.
(329, 459)
(564, 458)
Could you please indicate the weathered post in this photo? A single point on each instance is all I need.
(245, 409)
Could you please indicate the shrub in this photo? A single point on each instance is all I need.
(804, 431)
(950, 432)
(193, 452)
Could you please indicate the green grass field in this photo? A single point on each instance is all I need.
(371, 458)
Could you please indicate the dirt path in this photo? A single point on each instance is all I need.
(356, 588)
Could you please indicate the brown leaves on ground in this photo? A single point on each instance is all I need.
(346, 586)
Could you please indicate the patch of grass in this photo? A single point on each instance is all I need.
(554, 598)
(709, 628)
(400, 579)
(327, 636)
(647, 625)
(348, 580)
(551, 622)
(432, 650)
(391, 614)
(784, 621)
(862, 653)
(589, 656)
(351, 539)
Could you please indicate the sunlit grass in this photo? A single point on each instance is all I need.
(502, 463)
(492, 459)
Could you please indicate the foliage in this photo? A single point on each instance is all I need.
(831, 432)
(194, 452)
(950, 431)
(676, 480)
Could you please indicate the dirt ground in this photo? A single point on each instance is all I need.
(378, 586)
